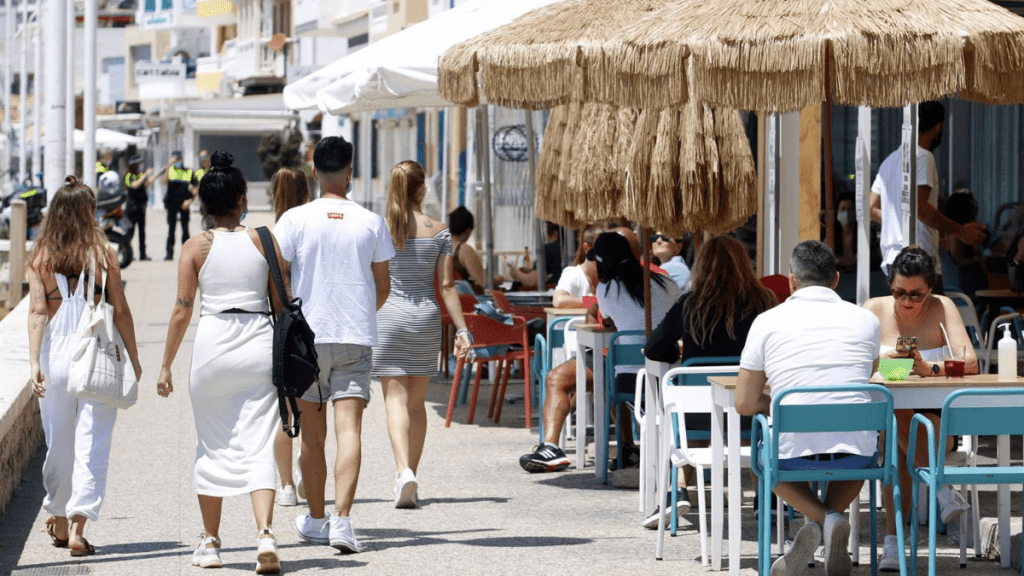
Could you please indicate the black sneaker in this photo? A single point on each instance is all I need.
(630, 457)
(544, 458)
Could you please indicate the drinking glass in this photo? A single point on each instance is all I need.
(955, 359)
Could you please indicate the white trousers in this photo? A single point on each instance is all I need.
(78, 434)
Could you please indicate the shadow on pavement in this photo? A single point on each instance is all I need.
(16, 524)
(582, 480)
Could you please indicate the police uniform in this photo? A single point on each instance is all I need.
(179, 189)
(136, 208)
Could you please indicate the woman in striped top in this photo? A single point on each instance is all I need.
(409, 322)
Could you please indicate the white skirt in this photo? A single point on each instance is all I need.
(234, 403)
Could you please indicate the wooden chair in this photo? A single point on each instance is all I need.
(488, 334)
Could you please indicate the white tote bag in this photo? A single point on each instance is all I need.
(100, 369)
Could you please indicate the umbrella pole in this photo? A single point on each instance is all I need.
(483, 138)
(541, 228)
(830, 215)
(645, 233)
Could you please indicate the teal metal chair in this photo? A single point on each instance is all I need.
(962, 421)
(619, 353)
(876, 415)
(544, 350)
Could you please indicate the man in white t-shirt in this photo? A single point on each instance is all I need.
(338, 253)
(886, 206)
(811, 339)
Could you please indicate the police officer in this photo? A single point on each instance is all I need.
(136, 182)
(182, 186)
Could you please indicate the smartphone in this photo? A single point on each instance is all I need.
(906, 344)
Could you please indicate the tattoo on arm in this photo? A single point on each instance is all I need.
(183, 303)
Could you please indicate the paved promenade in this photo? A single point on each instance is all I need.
(480, 513)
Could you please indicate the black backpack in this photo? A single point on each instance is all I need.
(295, 362)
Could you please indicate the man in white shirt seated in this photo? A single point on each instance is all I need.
(814, 338)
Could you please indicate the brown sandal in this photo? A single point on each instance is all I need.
(51, 529)
(87, 551)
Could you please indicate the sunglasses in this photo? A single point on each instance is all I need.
(662, 237)
(915, 296)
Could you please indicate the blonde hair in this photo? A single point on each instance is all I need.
(407, 178)
(69, 235)
(289, 189)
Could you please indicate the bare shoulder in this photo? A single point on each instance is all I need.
(876, 304)
(438, 227)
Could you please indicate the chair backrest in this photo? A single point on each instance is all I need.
(678, 400)
(620, 353)
(875, 415)
(556, 333)
(969, 314)
(468, 302)
(698, 378)
(967, 418)
(487, 332)
(779, 284)
(501, 302)
(541, 361)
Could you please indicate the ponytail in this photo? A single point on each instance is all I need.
(406, 179)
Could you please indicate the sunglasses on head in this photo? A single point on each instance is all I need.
(914, 296)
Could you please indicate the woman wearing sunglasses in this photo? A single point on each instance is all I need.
(914, 311)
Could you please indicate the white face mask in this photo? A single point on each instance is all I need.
(845, 217)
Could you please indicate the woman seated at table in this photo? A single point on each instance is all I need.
(912, 310)
(711, 320)
(620, 298)
(466, 262)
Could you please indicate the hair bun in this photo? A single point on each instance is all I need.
(221, 159)
(71, 180)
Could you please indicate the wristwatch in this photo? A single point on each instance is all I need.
(936, 369)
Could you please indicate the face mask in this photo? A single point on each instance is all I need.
(348, 189)
(845, 217)
(244, 213)
(179, 165)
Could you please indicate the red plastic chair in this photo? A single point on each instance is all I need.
(487, 332)
(468, 302)
(779, 284)
(501, 302)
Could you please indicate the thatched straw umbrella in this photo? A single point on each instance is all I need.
(782, 55)
(532, 62)
(672, 170)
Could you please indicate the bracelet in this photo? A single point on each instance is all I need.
(462, 331)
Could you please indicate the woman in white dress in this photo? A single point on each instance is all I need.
(233, 398)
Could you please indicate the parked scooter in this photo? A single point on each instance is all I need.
(117, 227)
(35, 201)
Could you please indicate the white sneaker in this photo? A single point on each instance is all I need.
(890, 560)
(837, 539)
(405, 490)
(343, 537)
(207, 554)
(313, 530)
(952, 504)
(286, 497)
(267, 561)
(795, 561)
(682, 508)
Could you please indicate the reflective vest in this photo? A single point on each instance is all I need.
(200, 173)
(182, 174)
(129, 177)
(100, 168)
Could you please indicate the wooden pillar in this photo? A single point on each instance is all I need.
(762, 204)
(810, 173)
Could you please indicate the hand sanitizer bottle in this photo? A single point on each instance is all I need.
(1007, 355)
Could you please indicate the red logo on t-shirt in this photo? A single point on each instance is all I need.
(335, 216)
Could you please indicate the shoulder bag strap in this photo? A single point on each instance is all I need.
(271, 255)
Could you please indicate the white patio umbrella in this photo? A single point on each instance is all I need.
(106, 138)
(401, 70)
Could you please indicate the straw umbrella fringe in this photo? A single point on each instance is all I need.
(770, 55)
(593, 169)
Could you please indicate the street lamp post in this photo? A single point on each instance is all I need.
(89, 94)
(37, 100)
(23, 101)
(56, 123)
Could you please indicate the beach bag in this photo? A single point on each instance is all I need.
(295, 366)
(100, 369)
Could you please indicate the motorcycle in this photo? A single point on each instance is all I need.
(35, 201)
(116, 226)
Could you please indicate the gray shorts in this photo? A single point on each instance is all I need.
(344, 373)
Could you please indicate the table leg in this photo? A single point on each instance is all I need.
(717, 459)
(581, 406)
(649, 446)
(735, 529)
(1003, 457)
(600, 425)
